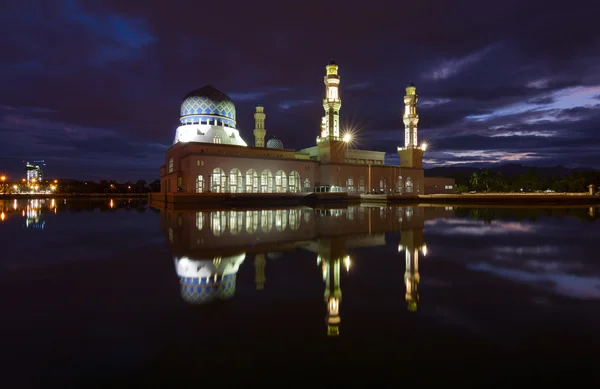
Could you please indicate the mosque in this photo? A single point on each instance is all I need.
(210, 155)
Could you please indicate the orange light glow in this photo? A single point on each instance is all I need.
(3, 178)
(2, 216)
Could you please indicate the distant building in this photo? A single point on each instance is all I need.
(34, 171)
(210, 155)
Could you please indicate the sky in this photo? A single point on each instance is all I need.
(94, 87)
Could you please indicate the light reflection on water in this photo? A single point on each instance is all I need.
(202, 279)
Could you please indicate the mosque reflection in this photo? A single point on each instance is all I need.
(210, 247)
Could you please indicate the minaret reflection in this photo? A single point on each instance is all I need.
(259, 271)
(412, 243)
(330, 256)
(210, 247)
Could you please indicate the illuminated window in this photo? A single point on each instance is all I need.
(280, 182)
(399, 185)
(236, 181)
(199, 184)
(217, 139)
(171, 165)
(409, 185)
(251, 181)
(350, 185)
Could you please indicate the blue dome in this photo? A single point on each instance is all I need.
(274, 143)
(331, 62)
(208, 104)
(206, 290)
(410, 84)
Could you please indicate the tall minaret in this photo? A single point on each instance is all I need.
(411, 155)
(332, 102)
(411, 118)
(259, 126)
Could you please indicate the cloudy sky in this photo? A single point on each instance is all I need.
(94, 87)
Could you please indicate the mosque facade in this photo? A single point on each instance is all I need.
(209, 154)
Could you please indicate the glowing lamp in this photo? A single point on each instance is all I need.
(347, 138)
(424, 146)
(3, 178)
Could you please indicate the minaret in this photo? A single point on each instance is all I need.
(411, 155)
(332, 102)
(259, 126)
(259, 271)
(411, 241)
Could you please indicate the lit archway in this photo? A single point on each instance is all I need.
(400, 185)
(409, 185)
(294, 182)
(280, 182)
(383, 185)
(251, 181)
(236, 181)
(218, 181)
(266, 181)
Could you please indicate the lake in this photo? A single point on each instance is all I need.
(105, 293)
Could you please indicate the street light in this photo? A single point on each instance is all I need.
(347, 137)
(3, 178)
(424, 146)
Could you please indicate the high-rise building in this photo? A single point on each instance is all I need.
(34, 171)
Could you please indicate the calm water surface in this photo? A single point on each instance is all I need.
(113, 293)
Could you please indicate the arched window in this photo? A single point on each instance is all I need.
(218, 181)
(251, 181)
(418, 187)
(294, 182)
(236, 181)
(409, 185)
(383, 185)
(266, 181)
(200, 184)
(400, 185)
(307, 187)
(280, 182)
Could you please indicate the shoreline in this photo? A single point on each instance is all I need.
(251, 200)
(34, 196)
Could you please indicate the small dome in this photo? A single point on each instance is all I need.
(331, 62)
(410, 85)
(208, 103)
(259, 105)
(274, 143)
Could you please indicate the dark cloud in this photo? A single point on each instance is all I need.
(99, 83)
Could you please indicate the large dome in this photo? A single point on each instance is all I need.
(208, 104)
